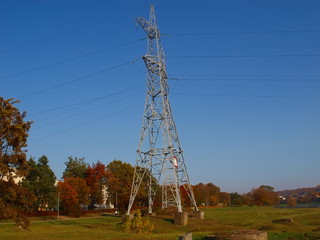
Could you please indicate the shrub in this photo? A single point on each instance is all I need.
(137, 224)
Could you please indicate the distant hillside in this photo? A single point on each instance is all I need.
(310, 194)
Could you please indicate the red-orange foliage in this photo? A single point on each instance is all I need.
(96, 179)
(73, 193)
(263, 196)
(68, 194)
(185, 199)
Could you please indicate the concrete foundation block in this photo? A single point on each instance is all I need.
(181, 218)
(283, 221)
(187, 236)
(198, 214)
(153, 214)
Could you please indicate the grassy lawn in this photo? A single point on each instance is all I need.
(306, 225)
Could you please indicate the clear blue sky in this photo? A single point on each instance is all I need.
(244, 78)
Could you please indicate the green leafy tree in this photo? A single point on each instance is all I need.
(41, 182)
(75, 167)
(236, 199)
(15, 200)
(267, 188)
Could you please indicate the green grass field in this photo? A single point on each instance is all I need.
(306, 225)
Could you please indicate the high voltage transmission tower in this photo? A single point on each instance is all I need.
(159, 156)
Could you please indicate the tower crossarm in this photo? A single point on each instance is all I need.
(154, 66)
(150, 29)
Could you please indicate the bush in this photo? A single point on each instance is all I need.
(137, 224)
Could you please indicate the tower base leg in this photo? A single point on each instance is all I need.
(181, 218)
(198, 214)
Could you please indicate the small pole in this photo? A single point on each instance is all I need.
(58, 204)
(117, 203)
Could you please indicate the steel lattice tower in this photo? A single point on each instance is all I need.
(159, 155)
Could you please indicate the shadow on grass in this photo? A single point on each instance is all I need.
(65, 223)
(111, 215)
(169, 220)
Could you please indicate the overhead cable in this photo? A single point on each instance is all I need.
(47, 38)
(245, 79)
(245, 76)
(243, 96)
(82, 112)
(69, 59)
(85, 102)
(245, 56)
(248, 32)
(85, 123)
(245, 86)
(77, 79)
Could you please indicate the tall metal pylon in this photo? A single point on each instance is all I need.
(159, 155)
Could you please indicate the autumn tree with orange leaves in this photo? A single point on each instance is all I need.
(73, 192)
(119, 182)
(264, 196)
(96, 179)
(207, 194)
(15, 200)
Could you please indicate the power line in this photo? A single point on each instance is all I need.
(77, 79)
(245, 86)
(242, 96)
(82, 112)
(246, 56)
(232, 75)
(138, 69)
(85, 102)
(47, 38)
(232, 33)
(69, 59)
(267, 47)
(85, 123)
(241, 79)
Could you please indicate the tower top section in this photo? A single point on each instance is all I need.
(150, 27)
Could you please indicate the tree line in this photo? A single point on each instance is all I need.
(86, 186)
